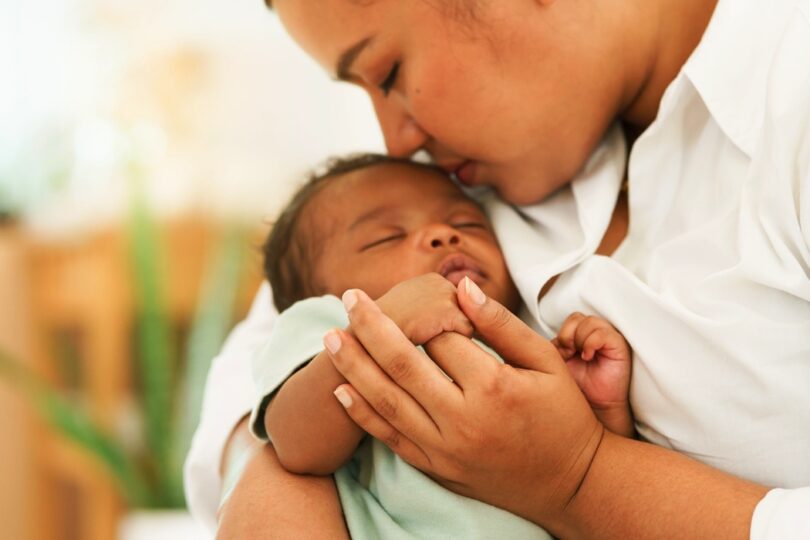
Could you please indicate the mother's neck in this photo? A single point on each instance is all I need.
(675, 33)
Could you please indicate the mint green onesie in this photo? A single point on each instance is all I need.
(382, 496)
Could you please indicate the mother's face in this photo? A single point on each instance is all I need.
(509, 94)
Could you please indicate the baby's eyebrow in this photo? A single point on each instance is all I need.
(371, 215)
(463, 200)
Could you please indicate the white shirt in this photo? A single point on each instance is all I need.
(711, 286)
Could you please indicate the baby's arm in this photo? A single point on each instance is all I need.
(310, 430)
(600, 361)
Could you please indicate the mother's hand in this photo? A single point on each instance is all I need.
(519, 435)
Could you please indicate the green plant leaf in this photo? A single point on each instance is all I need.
(155, 345)
(212, 321)
(75, 424)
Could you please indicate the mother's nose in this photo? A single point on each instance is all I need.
(403, 135)
(439, 235)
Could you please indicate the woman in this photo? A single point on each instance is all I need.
(711, 284)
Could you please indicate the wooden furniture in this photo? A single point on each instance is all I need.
(16, 339)
(79, 293)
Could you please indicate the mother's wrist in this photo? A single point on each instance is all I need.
(565, 517)
(633, 489)
(578, 512)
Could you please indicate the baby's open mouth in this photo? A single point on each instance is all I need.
(456, 266)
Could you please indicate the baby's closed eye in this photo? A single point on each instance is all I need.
(387, 239)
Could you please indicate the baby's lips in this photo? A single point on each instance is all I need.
(457, 266)
(456, 276)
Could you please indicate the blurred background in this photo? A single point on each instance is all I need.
(144, 149)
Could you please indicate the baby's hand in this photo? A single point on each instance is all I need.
(600, 361)
(424, 307)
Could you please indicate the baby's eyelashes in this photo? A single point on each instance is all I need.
(381, 241)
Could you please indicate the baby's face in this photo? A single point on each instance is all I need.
(384, 224)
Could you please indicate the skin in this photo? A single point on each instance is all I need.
(385, 224)
(388, 228)
(600, 360)
(266, 501)
(421, 218)
(521, 93)
(436, 101)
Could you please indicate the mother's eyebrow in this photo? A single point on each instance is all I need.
(344, 63)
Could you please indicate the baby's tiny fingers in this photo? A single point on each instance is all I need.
(568, 330)
(595, 341)
(462, 325)
(587, 326)
(565, 352)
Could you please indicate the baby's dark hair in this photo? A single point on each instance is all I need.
(289, 255)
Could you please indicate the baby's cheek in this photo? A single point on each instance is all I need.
(379, 280)
(504, 290)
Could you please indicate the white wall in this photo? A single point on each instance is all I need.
(218, 107)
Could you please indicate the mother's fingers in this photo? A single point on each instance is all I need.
(510, 337)
(389, 400)
(375, 425)
(409, 368)
(461, 358)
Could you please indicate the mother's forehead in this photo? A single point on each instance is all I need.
(329, 29)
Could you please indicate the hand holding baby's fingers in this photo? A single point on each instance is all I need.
(424, 307)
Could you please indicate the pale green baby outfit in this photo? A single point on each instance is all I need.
(382, 496)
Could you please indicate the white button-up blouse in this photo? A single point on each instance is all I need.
(711, 287)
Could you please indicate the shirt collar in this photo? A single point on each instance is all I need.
(545, 239)
(729, 68)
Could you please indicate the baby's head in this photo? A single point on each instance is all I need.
(370, 222)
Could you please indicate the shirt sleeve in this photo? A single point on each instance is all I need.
(227, 399)
(297, 337)
(784, 514)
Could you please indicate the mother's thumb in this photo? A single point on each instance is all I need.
(510, 337)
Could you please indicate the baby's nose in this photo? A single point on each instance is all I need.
(442, 236)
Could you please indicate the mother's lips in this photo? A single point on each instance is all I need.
(456, 266)
(464, 171)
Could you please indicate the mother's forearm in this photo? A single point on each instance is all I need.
(269, 502)
(638, 490)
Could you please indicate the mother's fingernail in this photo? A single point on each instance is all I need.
(343, 397)
(349, 299)
(474, 292)
(332, 341)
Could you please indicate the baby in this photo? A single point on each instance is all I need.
(406, 235)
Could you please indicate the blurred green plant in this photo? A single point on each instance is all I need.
(170, 402)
